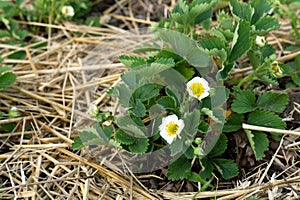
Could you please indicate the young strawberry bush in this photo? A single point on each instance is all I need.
(175, 93)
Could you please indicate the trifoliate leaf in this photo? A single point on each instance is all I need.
(241, 41)
(243, 102)
(219, 147)
(179, 169)
(234, 123)
(273, 102)
(227, 168)
(123, 138)
(259, 143)
(266, 119)
(241, 10)
(139, 146)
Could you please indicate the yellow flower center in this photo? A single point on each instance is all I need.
(197, 89)
(275, 68)
(172, 128)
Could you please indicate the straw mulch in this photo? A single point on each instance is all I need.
(54, 85)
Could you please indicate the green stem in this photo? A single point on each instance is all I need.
(246, 79)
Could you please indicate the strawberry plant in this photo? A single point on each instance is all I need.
(175, 98)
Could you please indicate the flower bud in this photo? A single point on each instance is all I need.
(260, 41)
(68, 11)
(13, 112)
(276, 70)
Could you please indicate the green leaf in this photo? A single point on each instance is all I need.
(194, 177)
(191, 121)
(146, 92)
(273, 102)
(294, 70)
(259, 143)
(172, 94)
(123, 138)
(139, 108)
(94, 136)
(227, 168)
(131, 127)
(220, 147)
(224, 73)
(4, 33)
(132, 61)
(241, 41)
(266, 24)
(179, 169)
(200, 12)
(266, 119)
(241, 10)
(243, 102)
(146, 48)
(20, 55)
(234, 123)
(123, 93)
(139, 146)
(77, 144)
(6, 79)
(129, 79)
(185, 47)
(177, 147)
(255, 57)
(4, 69)
(219, 96)
(207, 168)
(261, 7)
(187, 72)
(167, 102)
(155, 68)
(212, 43)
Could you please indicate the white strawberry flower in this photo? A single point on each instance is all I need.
(170, 128)
(198, 88)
